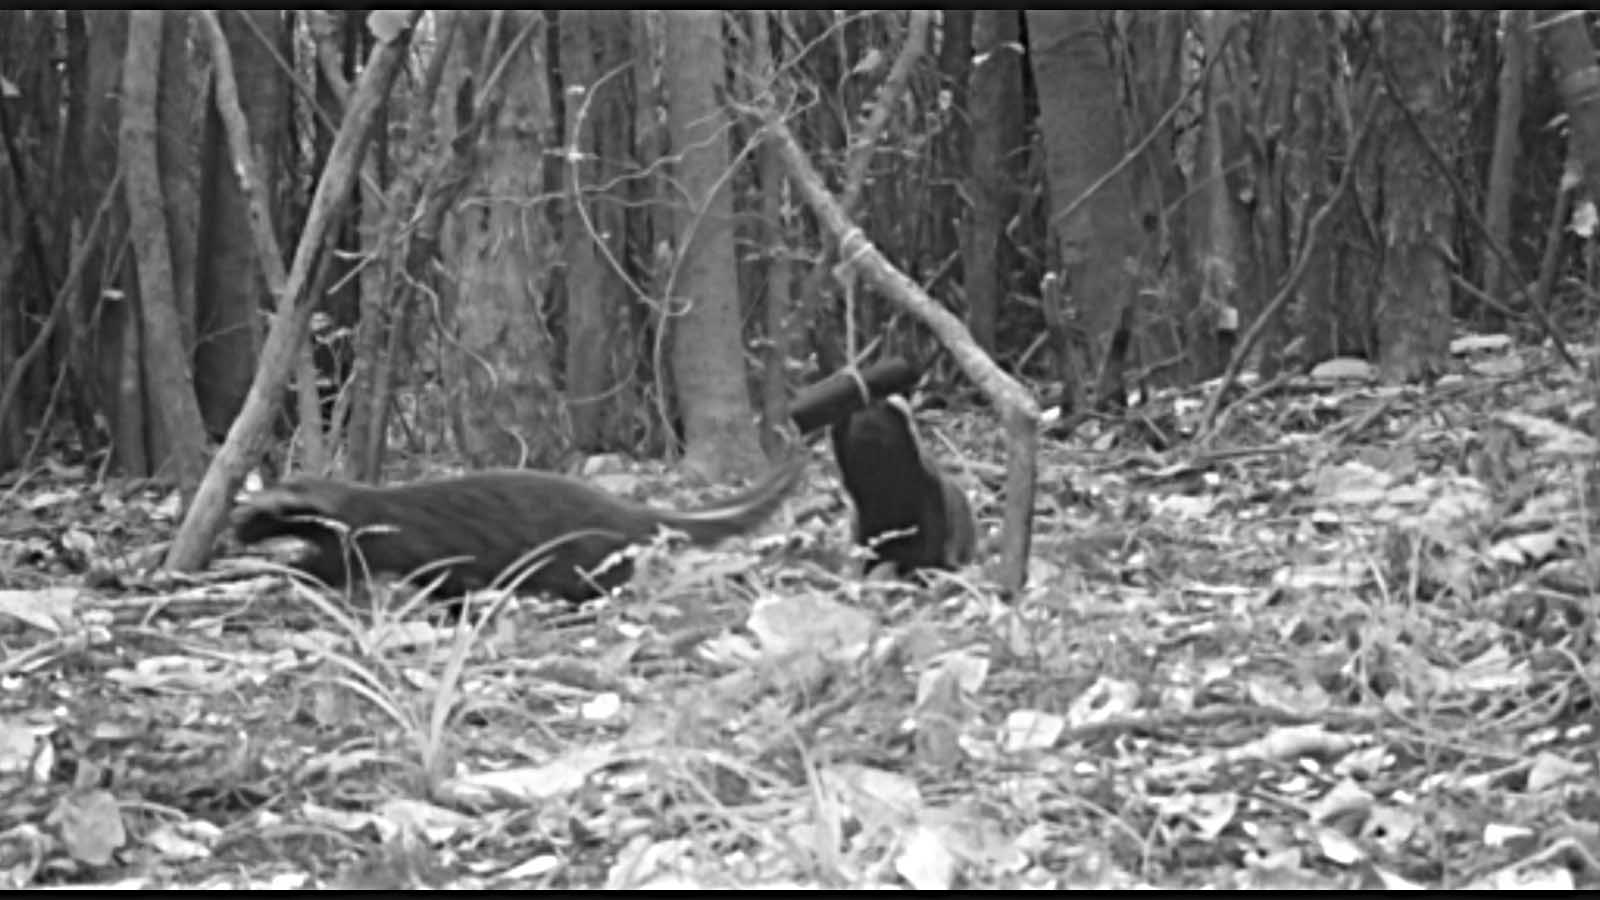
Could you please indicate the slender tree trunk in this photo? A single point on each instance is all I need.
(1503, 164)
(707, 351)
(229, 285)
(611, 37)
(176, 115)
(380, 309)
(587, 316)
(13, 432)
(1273, 220)
(322, 373)
(77, 340)
(594, 312)
(996, 134)
(165, 362)
(778, 296)
(1219, 232)
(1413, 315)
(428, 181)
(104, 317)
(1305, 187)
(1155, 41)
(952, 146)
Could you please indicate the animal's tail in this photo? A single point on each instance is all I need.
(740, 513)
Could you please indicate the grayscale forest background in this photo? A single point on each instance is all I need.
(567, 236)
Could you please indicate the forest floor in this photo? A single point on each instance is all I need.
(1352, 645)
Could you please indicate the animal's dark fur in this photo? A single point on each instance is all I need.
(896, 488)
(490, 518)
(838, 395)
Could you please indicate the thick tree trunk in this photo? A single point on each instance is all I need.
(165, 361)
(1413, 315)
(996, 135)
(1081, 121)
(500, 245)
(707, 351)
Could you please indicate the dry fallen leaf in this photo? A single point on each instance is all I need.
(90, 825)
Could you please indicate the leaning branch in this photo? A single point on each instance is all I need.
(247, 437)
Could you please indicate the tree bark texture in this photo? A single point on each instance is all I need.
(166, 364)
(178, 113)
(104, 313)
(1081, 122)
(600, 339)
(1295, 184)
(703, 297)
(500, 245)
(1413, 310)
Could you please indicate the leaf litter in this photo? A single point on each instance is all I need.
(1349, 645)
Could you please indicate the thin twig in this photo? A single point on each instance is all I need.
(58, 305)
(1157, 129)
